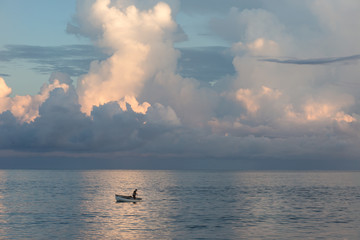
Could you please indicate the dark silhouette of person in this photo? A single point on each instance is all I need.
(134, 194)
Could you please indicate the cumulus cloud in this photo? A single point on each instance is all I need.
(26, 108)
(140, 46)
(140, 43)
(134, 103)
(252, 100)
(282, 100)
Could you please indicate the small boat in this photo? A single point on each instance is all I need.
(123, 198)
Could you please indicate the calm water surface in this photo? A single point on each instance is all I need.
(179, 205)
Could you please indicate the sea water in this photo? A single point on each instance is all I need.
(179, 205)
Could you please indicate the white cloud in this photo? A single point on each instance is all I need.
(26, 108)
(140, 44)
(4, 89)
(279, 99)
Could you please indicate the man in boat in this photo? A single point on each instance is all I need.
(134, 194)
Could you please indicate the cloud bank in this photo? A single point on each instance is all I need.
(134, 108)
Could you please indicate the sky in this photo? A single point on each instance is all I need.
(180, 84)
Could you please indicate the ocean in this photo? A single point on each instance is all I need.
(63, 204)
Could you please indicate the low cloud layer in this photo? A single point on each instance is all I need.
(144, 103)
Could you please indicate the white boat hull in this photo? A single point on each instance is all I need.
(123, 198)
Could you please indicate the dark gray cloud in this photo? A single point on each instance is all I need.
(314, 61)
(4, 75)
(71, 59)
(112, 138)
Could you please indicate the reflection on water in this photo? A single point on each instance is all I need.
(179, 205)
(3, 221)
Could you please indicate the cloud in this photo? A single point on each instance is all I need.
(140, 43)
(26, 108)
(4, 89)
(282, 101)
(251, 100)
(314, 61)
(144, 102)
